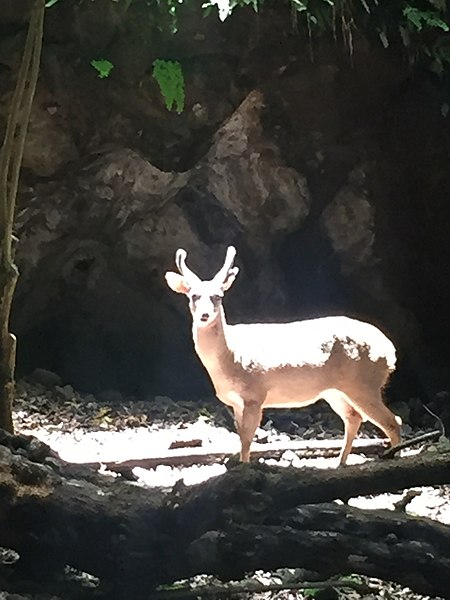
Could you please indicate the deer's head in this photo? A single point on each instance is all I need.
(205, 297)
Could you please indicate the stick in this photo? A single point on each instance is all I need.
(425, 437)
(205, 456)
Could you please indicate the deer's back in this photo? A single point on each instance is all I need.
(310, 343)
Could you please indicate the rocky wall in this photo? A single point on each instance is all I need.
(328, 172)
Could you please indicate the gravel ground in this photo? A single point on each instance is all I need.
(82, 428)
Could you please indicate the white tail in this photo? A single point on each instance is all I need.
(344, 361)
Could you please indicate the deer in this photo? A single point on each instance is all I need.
(345, 361)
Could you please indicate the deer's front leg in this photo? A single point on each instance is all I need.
(247, 422)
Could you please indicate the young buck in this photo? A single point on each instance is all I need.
(344, 361)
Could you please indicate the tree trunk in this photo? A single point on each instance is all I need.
(253, 517)
(10, 161)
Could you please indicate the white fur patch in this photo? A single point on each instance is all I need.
(301, 343)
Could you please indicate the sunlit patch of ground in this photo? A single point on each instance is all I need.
(429, 502)
(106, 446)
(83, 446)
(89, 446)
(83, 430)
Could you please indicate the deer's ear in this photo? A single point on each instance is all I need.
(177, 283)
(229, 279)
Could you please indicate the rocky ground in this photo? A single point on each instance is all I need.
(83, 428)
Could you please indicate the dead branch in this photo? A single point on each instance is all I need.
(179, 457)
(420, 439)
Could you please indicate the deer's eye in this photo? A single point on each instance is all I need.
(215, 299)
(195, 297)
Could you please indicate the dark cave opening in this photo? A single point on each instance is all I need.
(311, 273)
(94, 361)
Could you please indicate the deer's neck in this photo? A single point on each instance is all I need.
(211, 346)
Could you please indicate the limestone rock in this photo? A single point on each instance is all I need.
(49, 143)
(349, 222)
(248, 177)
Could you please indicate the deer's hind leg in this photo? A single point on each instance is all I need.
(375, 411)
(342, 406)
(368, 402)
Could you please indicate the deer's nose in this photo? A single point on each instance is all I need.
(204, 317)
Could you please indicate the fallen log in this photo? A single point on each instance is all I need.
(180, 457)
(253, 517)
(331, 539)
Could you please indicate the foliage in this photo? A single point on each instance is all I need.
(324, 15)
(312, 592)
(170, 78)
(353, 581)
(420, 26)
(419, 18)
(103, 67)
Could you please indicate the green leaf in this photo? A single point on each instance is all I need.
(50, 3)
(311, 591)
(437, 22)
(170, 78)
(103, 67)
(419, 18)
(413, 15)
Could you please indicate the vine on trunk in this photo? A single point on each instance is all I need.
(10, 162)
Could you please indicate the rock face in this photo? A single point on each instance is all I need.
(349, 222)
(50, 146)
(321, 173)
(103, 242)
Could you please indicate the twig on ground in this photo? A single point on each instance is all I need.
(438, 419)
(420, 439)
(401, 505)
(197, 443)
